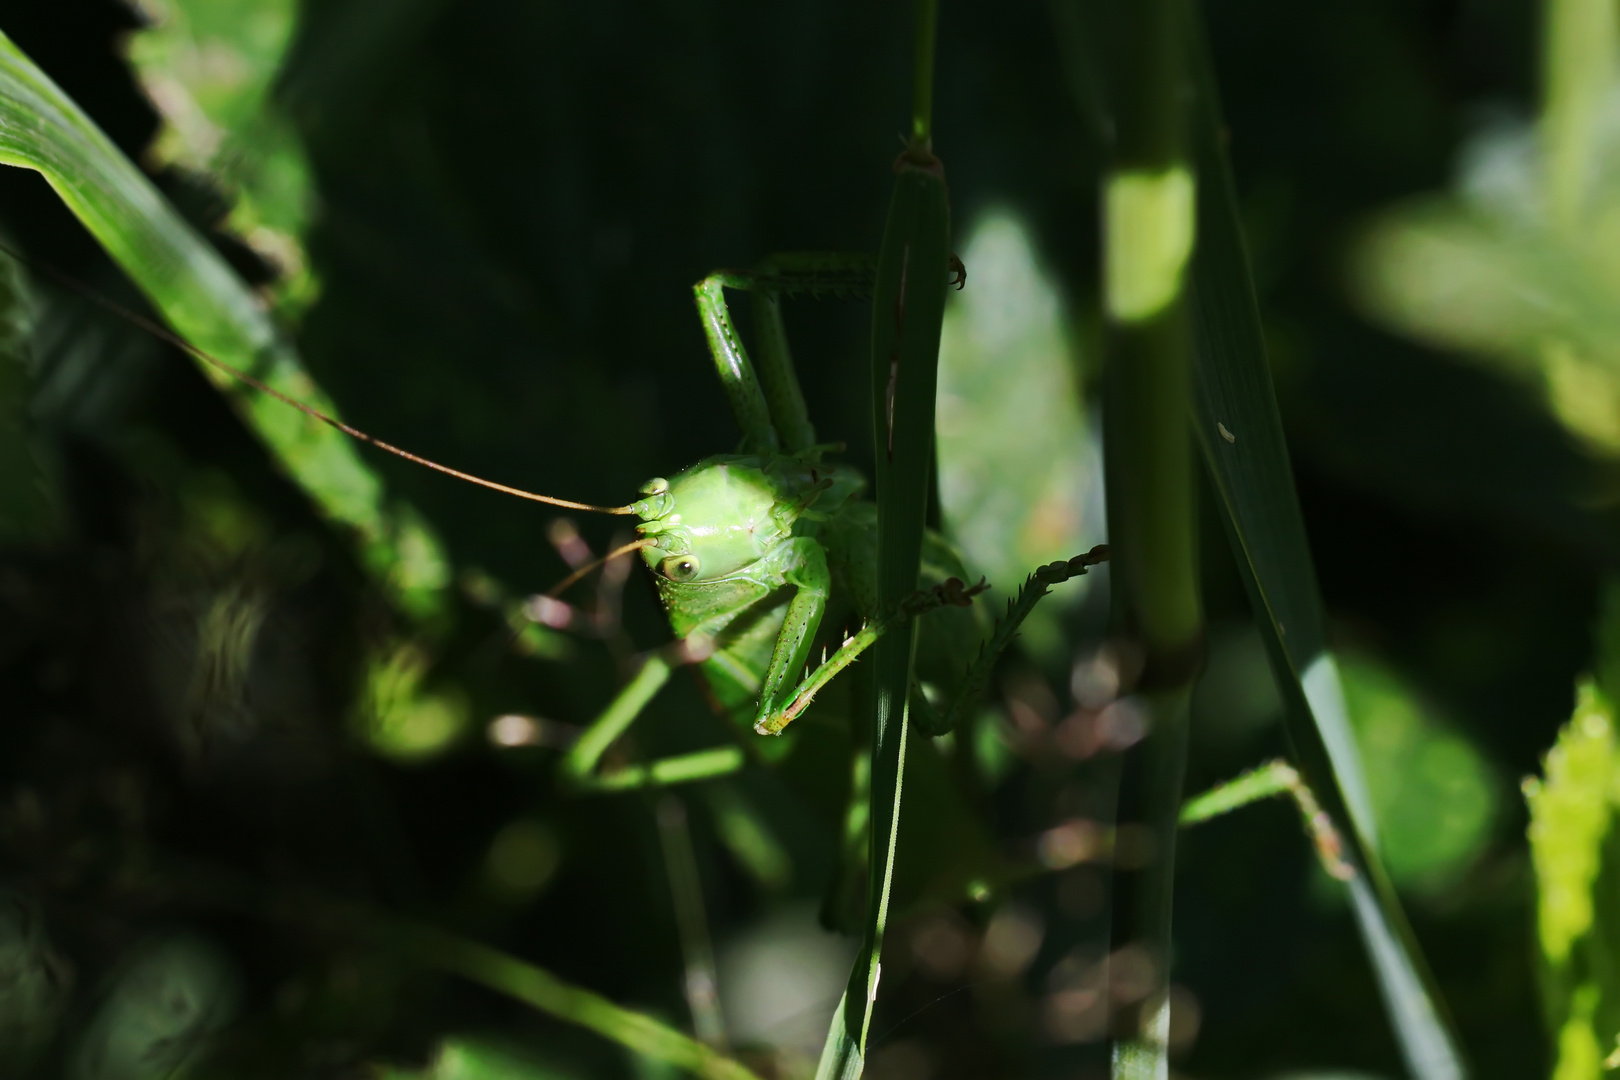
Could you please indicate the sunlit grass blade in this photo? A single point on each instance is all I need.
(207, 304)
(1239, 432)
(544, 991)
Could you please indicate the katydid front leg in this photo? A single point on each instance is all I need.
(952, 592)
(797, 564)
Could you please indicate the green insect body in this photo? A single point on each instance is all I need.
(752, 551)
(756, 553)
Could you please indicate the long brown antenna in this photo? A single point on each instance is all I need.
(579, 572)
(163, 333)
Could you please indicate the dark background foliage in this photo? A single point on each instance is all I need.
(514, 199)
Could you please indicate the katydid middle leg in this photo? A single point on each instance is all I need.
(797, 565)
(578, 767)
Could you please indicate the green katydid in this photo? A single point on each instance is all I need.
(748, 550)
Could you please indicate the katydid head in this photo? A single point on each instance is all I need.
(715, 519)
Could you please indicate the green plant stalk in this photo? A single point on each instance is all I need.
(1579, 39)
(1239, 433)
(922, 76)
(542, 990)
(1149, 231)
(691, 921)
(198, 294)
(908, 311)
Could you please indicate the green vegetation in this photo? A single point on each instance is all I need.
(317, 762)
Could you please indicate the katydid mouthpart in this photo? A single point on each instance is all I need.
(749, 551)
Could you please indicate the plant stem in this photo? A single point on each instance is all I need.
(1578, 68)
(544, 991)
(1149, 230)
(908, 310)
(922, 86)
(700, 982)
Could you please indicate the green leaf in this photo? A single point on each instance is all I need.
(542, 990)
(209, 306)
(1239, 432)
(1020, 469)
(477, 1059)
(1435, 797)
(1576, 853)
(163, 1009)
(1518, 266)
(25, 503)
(209, 67)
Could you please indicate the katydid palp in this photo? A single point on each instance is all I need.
(749, 551)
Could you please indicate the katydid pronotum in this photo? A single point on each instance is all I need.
(748, 550)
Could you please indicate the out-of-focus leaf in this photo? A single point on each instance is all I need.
(1489, 271)
(34, 986)
(1576, 852)
(42, 129)
(24, 493)
(1239, 432)
(209, 66)
(401, 717)
(1020, 473)
(1432, 792)
(478, 1059)
(172, 996)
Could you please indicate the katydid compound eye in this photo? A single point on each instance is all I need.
(679, 567)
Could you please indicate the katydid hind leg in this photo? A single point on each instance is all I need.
(737, 375)
(783, 394)
(578, 768)
(835, 274)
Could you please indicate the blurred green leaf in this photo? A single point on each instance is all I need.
(1020, 472)
(1432, 792)
(172, 996)
(1576, 853)
(538, 988)
(205, 302)
(34, 985)
(1520, 265)
(400, 716)
(477, 1059)
(1239, 432)
(25, 505)
(209, 66)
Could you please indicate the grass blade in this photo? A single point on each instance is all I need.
(200, 297)
(1239, 431)
(908, 312)
(538, 988)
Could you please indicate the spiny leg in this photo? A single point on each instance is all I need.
(736, 371)
(951, 592)
(782, 391)
(803, 566)
(578, 767)
(938, 722)
(839, 274)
